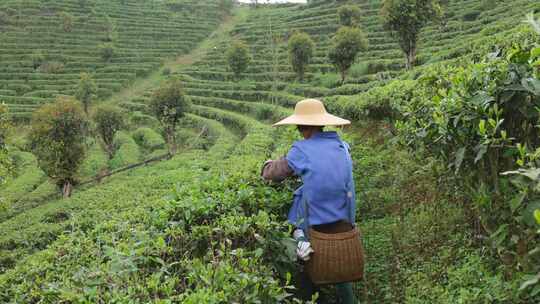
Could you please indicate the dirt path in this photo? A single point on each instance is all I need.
(141, 85)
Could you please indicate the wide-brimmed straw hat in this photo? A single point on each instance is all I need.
(311, 112)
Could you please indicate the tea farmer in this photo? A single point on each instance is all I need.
(324, 204)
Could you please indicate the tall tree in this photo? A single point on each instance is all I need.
(238, 57)
(168, 104)
(57, 137)
(109, 119)
(85, 90)
(405, 19)
(349, 15)
(346, 45)
(300, 52)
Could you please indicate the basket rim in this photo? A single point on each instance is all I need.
(314, 234)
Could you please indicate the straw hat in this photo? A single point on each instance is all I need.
(311, 112)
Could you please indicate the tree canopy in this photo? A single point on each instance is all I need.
(301, 48)
(405, 19)
(57, 139)
(346, 45)
(238, 57)
(85, 90)
(349, 15)
(109, 119)
(169, 104)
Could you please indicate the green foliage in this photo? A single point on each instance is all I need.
(238, 57)
(106, 50)
(300, 52)
(57, 136)
(95, 162)
(148, 139)
(359, 70)
(346, 45)
(127, 151)
(5, 125)
(66, 21)
(5, 159)
(52, 67)
(109, 120)
(328, 80)
(406, 18)
(226, 6)
(24, 177)
(470, 280)
(85, 90)
(37, 59)
(168, 104)
(349, 15)
(480, 120)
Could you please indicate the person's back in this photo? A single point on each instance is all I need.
(325, 167)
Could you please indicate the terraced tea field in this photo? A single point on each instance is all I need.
(202, 227)
(46, 45)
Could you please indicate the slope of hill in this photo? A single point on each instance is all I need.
(203, 228)
(47, 44)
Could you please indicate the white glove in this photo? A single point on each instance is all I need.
(303, 248)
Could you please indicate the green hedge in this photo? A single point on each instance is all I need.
(148, 139)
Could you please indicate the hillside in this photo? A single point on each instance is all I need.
(46, 45)
(202, 227)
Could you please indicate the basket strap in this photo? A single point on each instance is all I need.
(306, 215)
(349, 186)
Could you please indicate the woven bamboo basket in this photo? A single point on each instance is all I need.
(338, 257)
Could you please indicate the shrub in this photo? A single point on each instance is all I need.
(4, 125)
(166, 72)
(328, 80)
(168, 104)
(471, 16)
(5, 160)
(37, 59)
(238, 58)
(95, 162)
(359, 70)
(52, 67)
(478, 120)
(106, 50)
(109, 119)
(85, 90)
(4, 18)
(346, 45)
(300, 52)
(67, 22)
(226, 6)
(57, 138)
(349, 15)
(127, 151)
(148, 139)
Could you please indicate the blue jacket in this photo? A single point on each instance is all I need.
(325, 166)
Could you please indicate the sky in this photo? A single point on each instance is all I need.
(276, 1)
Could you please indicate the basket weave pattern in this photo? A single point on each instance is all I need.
(338, 257)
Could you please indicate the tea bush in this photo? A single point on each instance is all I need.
(148, 139)
(126, 151)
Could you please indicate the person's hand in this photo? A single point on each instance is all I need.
(303, 250)
(264, 165)
(303, 247)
